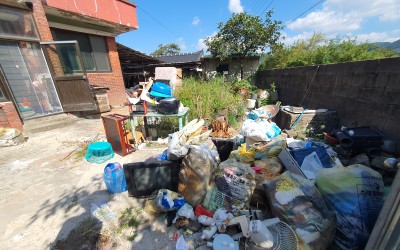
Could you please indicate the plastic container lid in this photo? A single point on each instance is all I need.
(161, 88)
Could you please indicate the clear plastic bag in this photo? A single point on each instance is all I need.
(195, 174)
(355, 193)
(296, 201)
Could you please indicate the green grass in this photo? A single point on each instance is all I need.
(206, 98)
(129, 220)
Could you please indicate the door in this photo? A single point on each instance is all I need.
(69, 75)
(24, 71)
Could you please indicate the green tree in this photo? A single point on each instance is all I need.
(166, 50)
(320, 50)
(242, 35)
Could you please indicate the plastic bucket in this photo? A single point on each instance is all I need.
(251, 103)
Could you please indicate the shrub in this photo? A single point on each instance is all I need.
(206, 98)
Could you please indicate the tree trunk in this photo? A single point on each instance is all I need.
(241, 69)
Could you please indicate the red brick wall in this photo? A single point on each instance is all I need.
(114, 79)
(41, 21)
(9, 116)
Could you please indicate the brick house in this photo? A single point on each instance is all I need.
(52, 51)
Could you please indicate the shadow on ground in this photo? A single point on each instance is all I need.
(82, 231)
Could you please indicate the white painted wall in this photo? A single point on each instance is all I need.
(250, 67)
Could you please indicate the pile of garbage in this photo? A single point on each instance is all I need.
(272, 192)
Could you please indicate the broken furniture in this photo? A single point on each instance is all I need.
(101, 97)
(180, 116)
(116, 133)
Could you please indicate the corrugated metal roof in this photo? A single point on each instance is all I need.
(182, 57)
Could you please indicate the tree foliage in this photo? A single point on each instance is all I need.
(242, 35)
(320, 50)
(166, 50)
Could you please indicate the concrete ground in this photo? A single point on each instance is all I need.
(44, 196)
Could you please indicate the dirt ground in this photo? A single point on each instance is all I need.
(44, 197)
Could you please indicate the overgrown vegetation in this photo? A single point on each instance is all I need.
(244, 35)
(206, 98)
(166, 49)
(320, 50)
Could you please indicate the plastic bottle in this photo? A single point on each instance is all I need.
(114, 178)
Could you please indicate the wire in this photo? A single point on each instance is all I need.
(162, 25)
(267, 7)
(257, 6)
(304, 12)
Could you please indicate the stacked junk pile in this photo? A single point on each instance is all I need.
(266, 190)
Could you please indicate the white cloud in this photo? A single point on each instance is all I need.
(345, 15)
(385, 10)
(235, 6)
(378, 37)
(196, 20)
(326, 21)
(200, 43)
(181, 43)
(293, 39)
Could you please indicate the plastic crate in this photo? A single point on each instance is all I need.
(365, 137)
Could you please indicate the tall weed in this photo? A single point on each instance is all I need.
(206, 98)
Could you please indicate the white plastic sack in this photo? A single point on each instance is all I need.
(181, 244)
(206, 221)
(175, 147)
(260, 234)
(311, 165)
(260, 130)
(185, 211)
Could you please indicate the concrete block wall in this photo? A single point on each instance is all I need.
(365, 93)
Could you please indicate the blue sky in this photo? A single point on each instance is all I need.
(188, 23)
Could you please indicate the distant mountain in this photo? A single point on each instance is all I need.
(394, 45)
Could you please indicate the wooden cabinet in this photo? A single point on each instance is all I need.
(116, 133)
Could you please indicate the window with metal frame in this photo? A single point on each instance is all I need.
(93, 49)
(17, 24)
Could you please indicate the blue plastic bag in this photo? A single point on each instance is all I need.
(114, 178)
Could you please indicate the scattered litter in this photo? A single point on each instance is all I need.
(208, 233)
(260, 235)
(19, 236)
(297, 201)
(224, 242)
(102, 212)
(181, 244)
(199, 210)
(185, 211)
(164, 200)
(10, 137)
